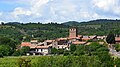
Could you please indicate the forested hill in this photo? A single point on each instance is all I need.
(97, 27)
(17, 31)
(98, 21)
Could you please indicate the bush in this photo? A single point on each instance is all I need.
(1, 55)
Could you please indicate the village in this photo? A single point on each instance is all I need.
(44, 48)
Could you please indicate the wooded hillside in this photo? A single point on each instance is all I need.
(41, 31)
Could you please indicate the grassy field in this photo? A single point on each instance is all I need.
(8, 62)
(50, 61)
(17, 61)
(56, 61)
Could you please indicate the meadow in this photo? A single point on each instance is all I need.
(54, 61)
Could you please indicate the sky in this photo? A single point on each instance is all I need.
(60, 11)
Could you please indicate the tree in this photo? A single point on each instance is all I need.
(80, 50)
(2, 23)
(117, 47)
(110, 38)
(72, 48)
(8, 42)
(16, 53)
(5, 50)
(24, 49)
(1, 55)
(54, 51)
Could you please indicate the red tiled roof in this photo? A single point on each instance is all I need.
(78, 42)
(42, 47)
(85, 39)
(49, 41)
(62, 38)
(32, 46)
(25, 44)
(117, 38)
(74, 37)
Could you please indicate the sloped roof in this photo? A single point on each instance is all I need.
(62, 38)
(48, 40)
(41, 47)
(78, 42)
(25, 44)
(117, 38)
(86, 39)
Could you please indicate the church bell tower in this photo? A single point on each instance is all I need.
(72, 33)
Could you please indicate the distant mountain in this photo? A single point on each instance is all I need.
(96, 27)
(13, 23)
(104, 20)
(98, 21)
(71, 23)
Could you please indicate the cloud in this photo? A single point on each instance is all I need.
(20, 11)
(103, 4)
(1, 13)
(61, 11)
(110, 6)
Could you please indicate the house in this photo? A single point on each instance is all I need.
(37, 49)
(40, 50)
(117, 40)
(85, 39)
(61, 43)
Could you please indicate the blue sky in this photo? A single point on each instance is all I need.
(58, 10)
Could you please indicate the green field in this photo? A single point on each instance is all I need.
(54, 61)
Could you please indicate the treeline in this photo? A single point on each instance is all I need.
(26, 32)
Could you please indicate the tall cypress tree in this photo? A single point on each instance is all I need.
(110, 38)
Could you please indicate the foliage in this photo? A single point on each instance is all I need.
(21, 51)
(8, 42)
(24, 62)
(41, 31)
(24, 50)
(16, 53)
(72, 48)
(110, 38)
(7, 46)
(54, 51)
(66, 53)
(117, 47)
(5, 50)
(1, 55)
